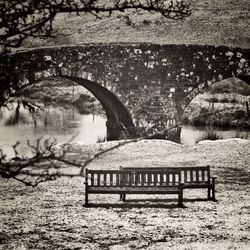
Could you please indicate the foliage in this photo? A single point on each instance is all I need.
(225, 118)
(48, 93)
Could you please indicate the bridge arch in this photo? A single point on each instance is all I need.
(119, 122)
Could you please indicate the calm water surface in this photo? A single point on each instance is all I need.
(65, 124)
(56, 123)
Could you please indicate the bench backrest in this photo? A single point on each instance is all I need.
(132, 178)
(187, 174)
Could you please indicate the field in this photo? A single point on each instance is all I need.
(52, 215)
(213, 22)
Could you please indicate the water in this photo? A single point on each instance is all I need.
(190, 135)
(52, 123)
(64, 124)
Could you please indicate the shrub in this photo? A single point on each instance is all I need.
(220, 87)
(84, 98)
(241, 135)
(239, 114)
(101, 139)
(224, 100)
(234, 101)
(212, 99)
(147, 22)
(128, 21)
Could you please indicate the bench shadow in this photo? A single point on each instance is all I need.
(167, 200)
(133, 205)
(140, 203)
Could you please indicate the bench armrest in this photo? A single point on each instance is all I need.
(213, 178)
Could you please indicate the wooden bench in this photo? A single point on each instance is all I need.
(133, 182)
(192, 177)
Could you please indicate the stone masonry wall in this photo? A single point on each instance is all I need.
(153, 82)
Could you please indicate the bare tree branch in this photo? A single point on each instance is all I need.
(32, 18)
(49, 163)
(20, 19)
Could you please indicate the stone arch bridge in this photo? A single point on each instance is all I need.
(140, 86)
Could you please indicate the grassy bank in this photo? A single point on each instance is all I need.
(62, 93)
(223, 106)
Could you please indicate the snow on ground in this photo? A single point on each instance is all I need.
(52, 215)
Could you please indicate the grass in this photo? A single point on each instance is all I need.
(200, 28)
(62, 93)
(232, 85)
(240, 134)
(101, 139)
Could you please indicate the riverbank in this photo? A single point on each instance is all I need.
(52, 215)
(225, 105)
(61, 92)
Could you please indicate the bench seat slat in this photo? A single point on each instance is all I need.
(134, 178)
(134, 190)
(111, 179)
(92, 179)
(197, 185)
(98, 180)
(197, 175)
(188, 174)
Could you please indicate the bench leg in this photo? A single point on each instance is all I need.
(213, 189)
(86, 199)
(213, 194)
(209, 193)
(123, 197)
(180, 198)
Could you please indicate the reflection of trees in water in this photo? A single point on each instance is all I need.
(55, 118)
(19, 111)
(16, 116)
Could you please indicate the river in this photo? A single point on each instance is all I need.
(64, 125)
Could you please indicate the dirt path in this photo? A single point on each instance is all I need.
(52, 215)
